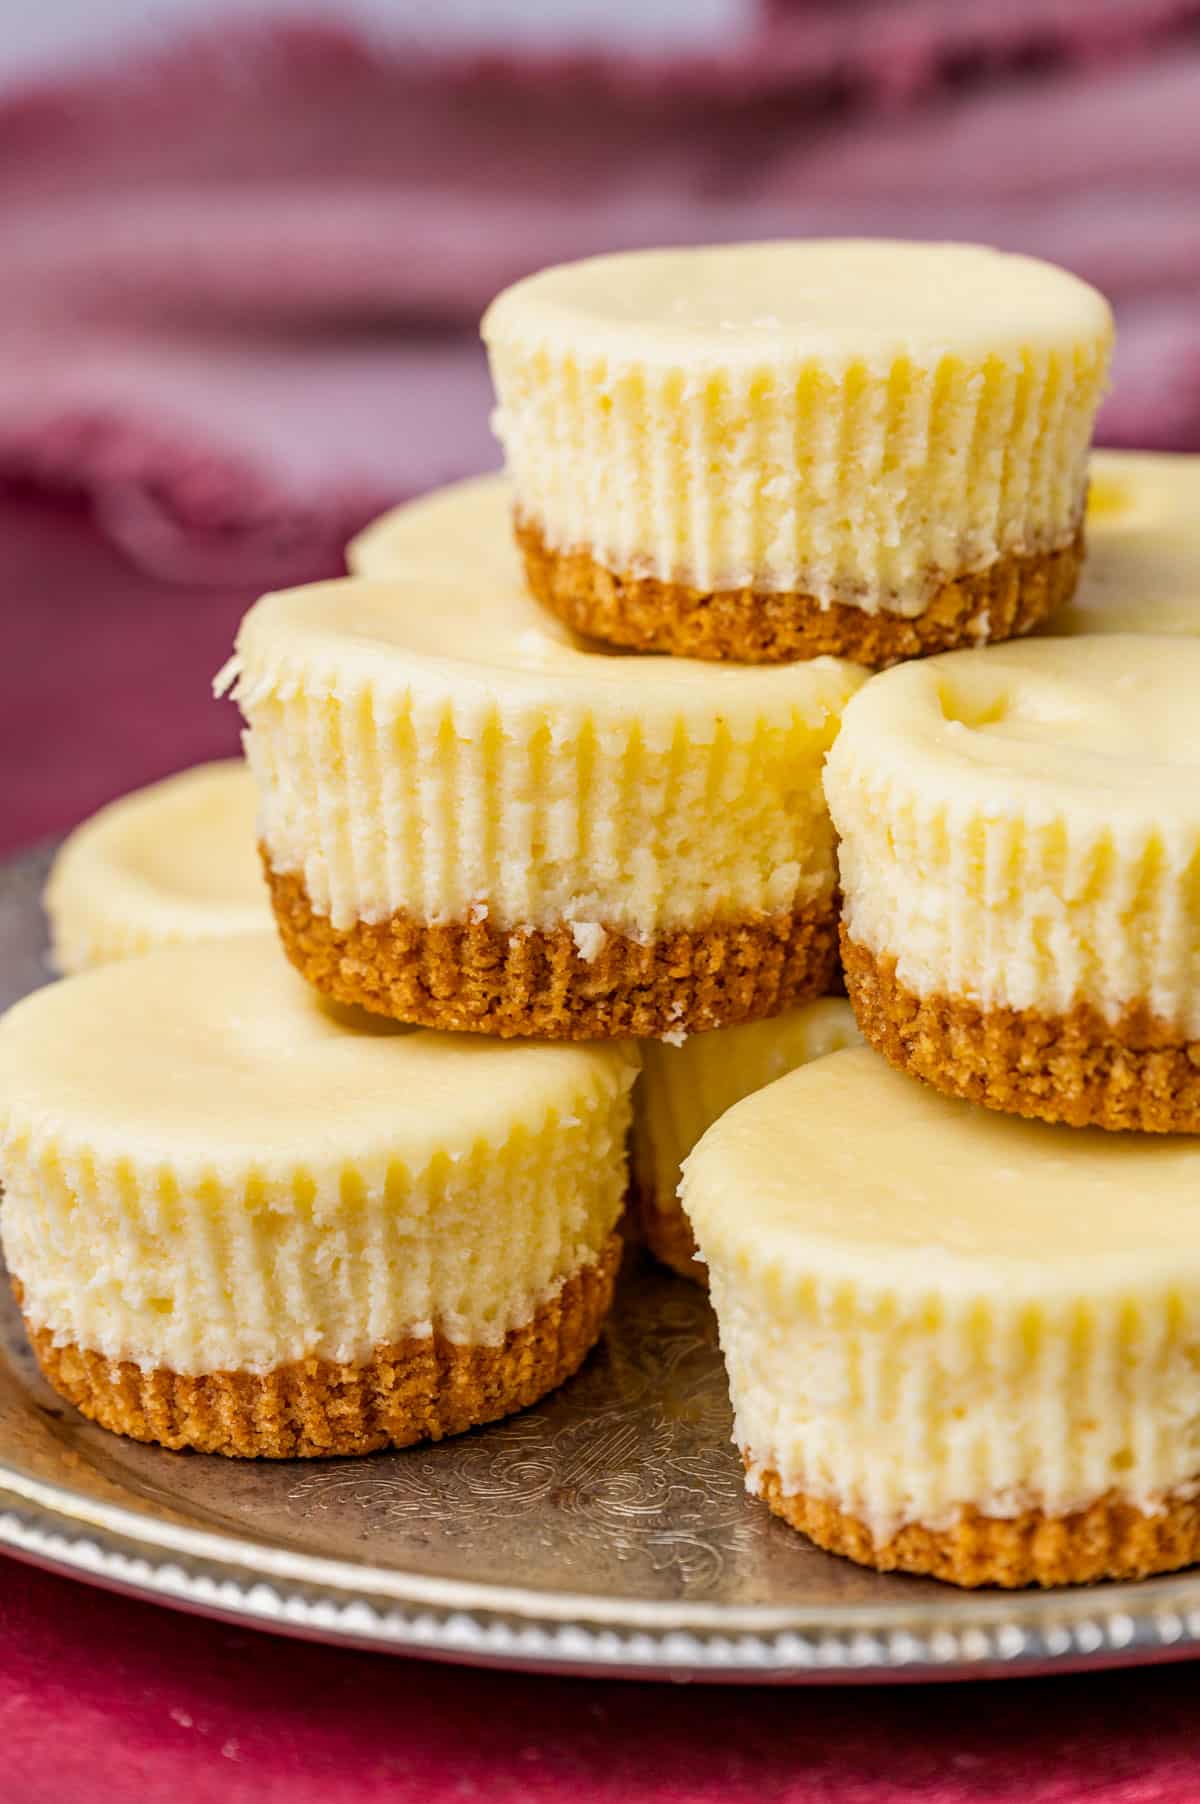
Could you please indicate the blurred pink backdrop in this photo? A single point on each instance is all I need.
(246, 248)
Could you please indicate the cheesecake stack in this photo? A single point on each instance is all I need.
(544, 782)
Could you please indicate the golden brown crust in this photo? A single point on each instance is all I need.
(667, 1231)
(1075, 1068)
(1109, 1540)
(1011, 597)
(411, 1390)
(472, 977)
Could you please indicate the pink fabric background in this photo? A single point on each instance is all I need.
(242, 277)
(108, 1702)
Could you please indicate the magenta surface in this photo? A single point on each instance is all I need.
(101, 1699)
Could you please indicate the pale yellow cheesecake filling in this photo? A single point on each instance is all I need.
(927, 1307)
(431, 742)
(1142, 573)
(175, 861)
(206, 1168)
(683, 1089)
(856, 420)
(1020, 826)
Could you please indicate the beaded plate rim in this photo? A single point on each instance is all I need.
(965, 1635)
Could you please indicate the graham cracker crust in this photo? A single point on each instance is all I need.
(473, 977)
(748, 626)
(410, 1390)
(1135, 1074)
(1109, 1540)
(667, 1232)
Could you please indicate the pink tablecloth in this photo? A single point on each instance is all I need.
(103, 684)
(108, 1702)
(243, 271)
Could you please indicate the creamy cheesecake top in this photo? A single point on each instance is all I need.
(219, 1055)
(846, 1166)
(1142, 573)
(838, 298)
(1103, 726)
(174, 861)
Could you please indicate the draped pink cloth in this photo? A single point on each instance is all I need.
(242, 276)
(106, 1700)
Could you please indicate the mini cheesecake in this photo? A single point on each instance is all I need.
(957, 1343)
(241, 1220)
(769, 451)
(175, 861)
(474, 820)
(683, 1089)
(1020, 861)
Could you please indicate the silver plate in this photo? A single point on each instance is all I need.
(606, 1531)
